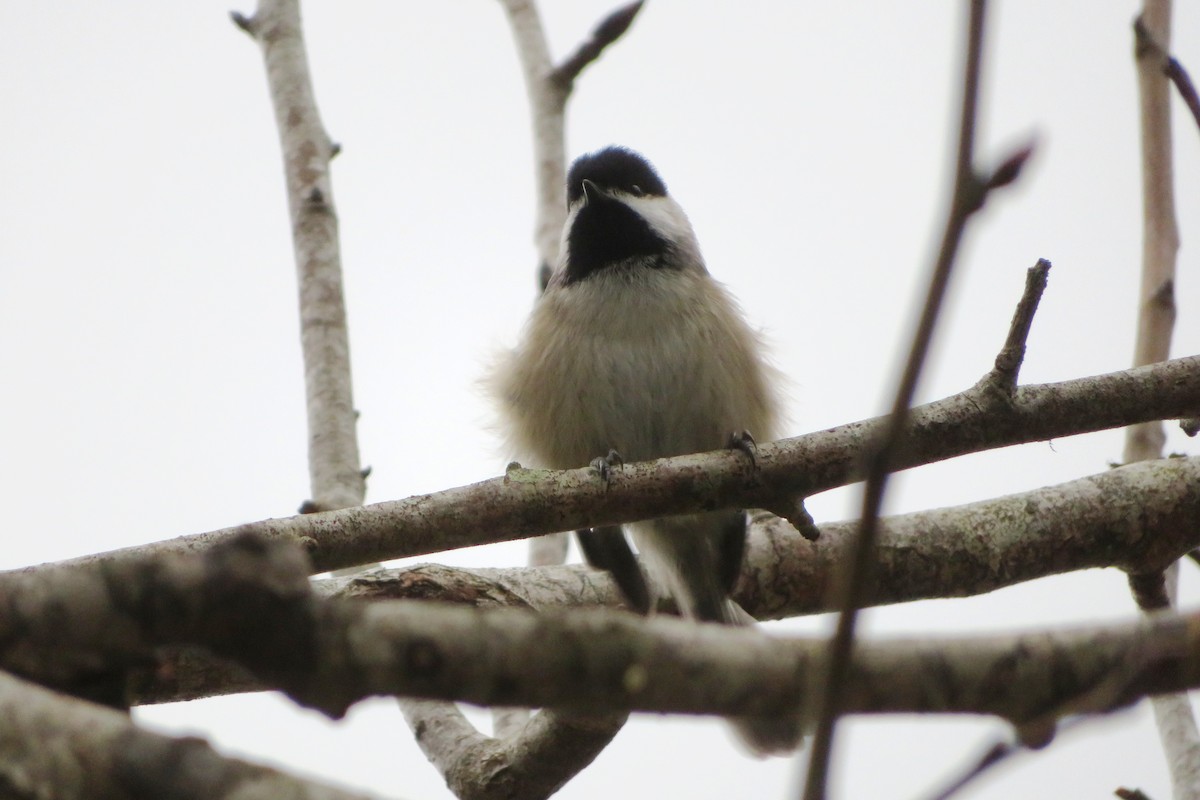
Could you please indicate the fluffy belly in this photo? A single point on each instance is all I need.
(676, 371)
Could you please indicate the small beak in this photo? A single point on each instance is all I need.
(590, 190)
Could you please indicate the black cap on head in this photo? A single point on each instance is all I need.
(614, 168)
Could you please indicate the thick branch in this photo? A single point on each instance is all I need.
(527, 757)
(67, 749)
(335, 474)
(1136, 518)
(531, 502)
(596, 660)
(328, 654)
(549, 750)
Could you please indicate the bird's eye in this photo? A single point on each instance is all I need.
(637, 191)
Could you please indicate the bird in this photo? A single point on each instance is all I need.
(634, 352)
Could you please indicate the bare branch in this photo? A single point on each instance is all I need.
(991, 757)
(1008, 362)
(1156, 318)
(551, 749)
(335, 474)
(1160, 233)
(1147, 44)
(1131, 794)
(531, 502)
(596, 660)
(328, 654)
(549, 89)
(1187, 90)
(55, 746)
(608, 31)
(547, 110)
(1136, 518)
(970, 193)
(538, 755)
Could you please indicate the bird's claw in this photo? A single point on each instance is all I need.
(604, 465)
(743, 442)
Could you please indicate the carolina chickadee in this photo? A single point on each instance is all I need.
(634, 348)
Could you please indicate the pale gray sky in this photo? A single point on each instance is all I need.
(148, 333)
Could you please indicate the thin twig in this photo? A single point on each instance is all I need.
(998, 753)
(1131, 794)
(1012, 355)
(1171, 67)
(604, 34)
(989, 758)
(1187, 90)
(969, 194)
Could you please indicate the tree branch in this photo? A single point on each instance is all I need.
(1148, 46)
(535, 762)
(1008, 363)
(249, 601)
(335, 474)
(1136, 518)
(608, 31)
(531, 502)
(1156, 318)
(56, 746)
(535, 757)
(548, 91)
(549, 88)
(328, 654)
(1160, 233)
(597, 660)
(970, 193)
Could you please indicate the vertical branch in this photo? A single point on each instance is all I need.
(549, 87)
(1160, 234)
(336, 478)
(529, 756)
(1156, 318)
(547, 112)
(970, 192)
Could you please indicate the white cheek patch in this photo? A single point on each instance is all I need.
(664, 215)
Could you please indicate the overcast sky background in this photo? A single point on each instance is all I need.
(148, 333)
